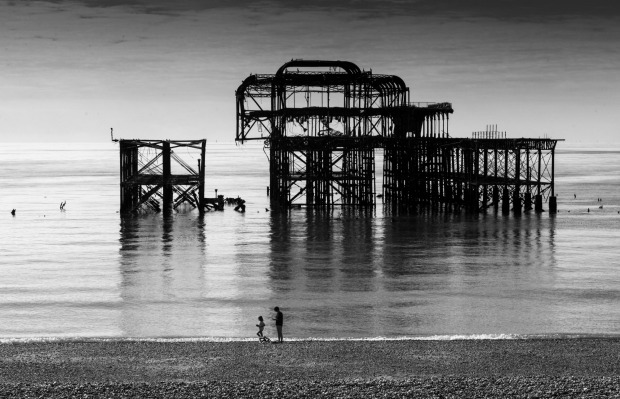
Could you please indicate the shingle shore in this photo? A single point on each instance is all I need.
(587, 367)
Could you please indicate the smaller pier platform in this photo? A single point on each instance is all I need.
(155, 178)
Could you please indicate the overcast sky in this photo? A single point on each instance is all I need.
(156, 69)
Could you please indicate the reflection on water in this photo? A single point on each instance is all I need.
(161, 274)
(336, 274)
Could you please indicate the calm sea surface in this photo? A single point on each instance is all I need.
(87, 272)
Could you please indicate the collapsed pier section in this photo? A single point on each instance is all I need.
(153, 177)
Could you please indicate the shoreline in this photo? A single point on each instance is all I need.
(189, 339)
(120, 368)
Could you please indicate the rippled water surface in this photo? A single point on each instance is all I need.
(88, 272)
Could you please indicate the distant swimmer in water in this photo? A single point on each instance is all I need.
(13, 212)
(575, 196)
(588, 209)
(62, 205)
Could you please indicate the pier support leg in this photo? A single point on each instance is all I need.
(538, 203)
(528, 202)
(130, 193)
(496, 197)
(167, 186)
(473, 199)
(201, 177)
(516, 202)
(553, 204)
(505, 201)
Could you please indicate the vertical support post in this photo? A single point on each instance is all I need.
(167, 174)
(553, 172)
(460, 172)
(538, 181)
(516, 194)
(538, 202)
(485, 189)
(274, 196)
(310, 177)
(130, 191)
(122, 176)
(434, 175)
(528, 193)
(528, 201)
(553, 204)
(506, 194)
(506, 201)
(201, 177)
(474, 190)
(495, 186)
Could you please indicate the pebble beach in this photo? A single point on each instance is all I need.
(519, 368)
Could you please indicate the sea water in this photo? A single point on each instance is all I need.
(87, 272)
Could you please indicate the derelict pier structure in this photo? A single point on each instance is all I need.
(155, 178)
(324, 121)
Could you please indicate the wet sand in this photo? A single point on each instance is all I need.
(578, 367)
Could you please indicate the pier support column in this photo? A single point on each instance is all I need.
(167, 184)
(516, 202)
(496, 197)
(505, 201)
(553, 204)
(472, 199)
(516, 194)
(201, 177)
(130, 192)
(538, 203)
(528, 202)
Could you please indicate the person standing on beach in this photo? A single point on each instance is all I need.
(261, 326)
(279, 322)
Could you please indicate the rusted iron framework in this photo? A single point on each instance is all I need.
(324, 120)
(155, 178)
(475, 174)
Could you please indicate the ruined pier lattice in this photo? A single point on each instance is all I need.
(155, 178)
(323, 122)
(475, 174)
